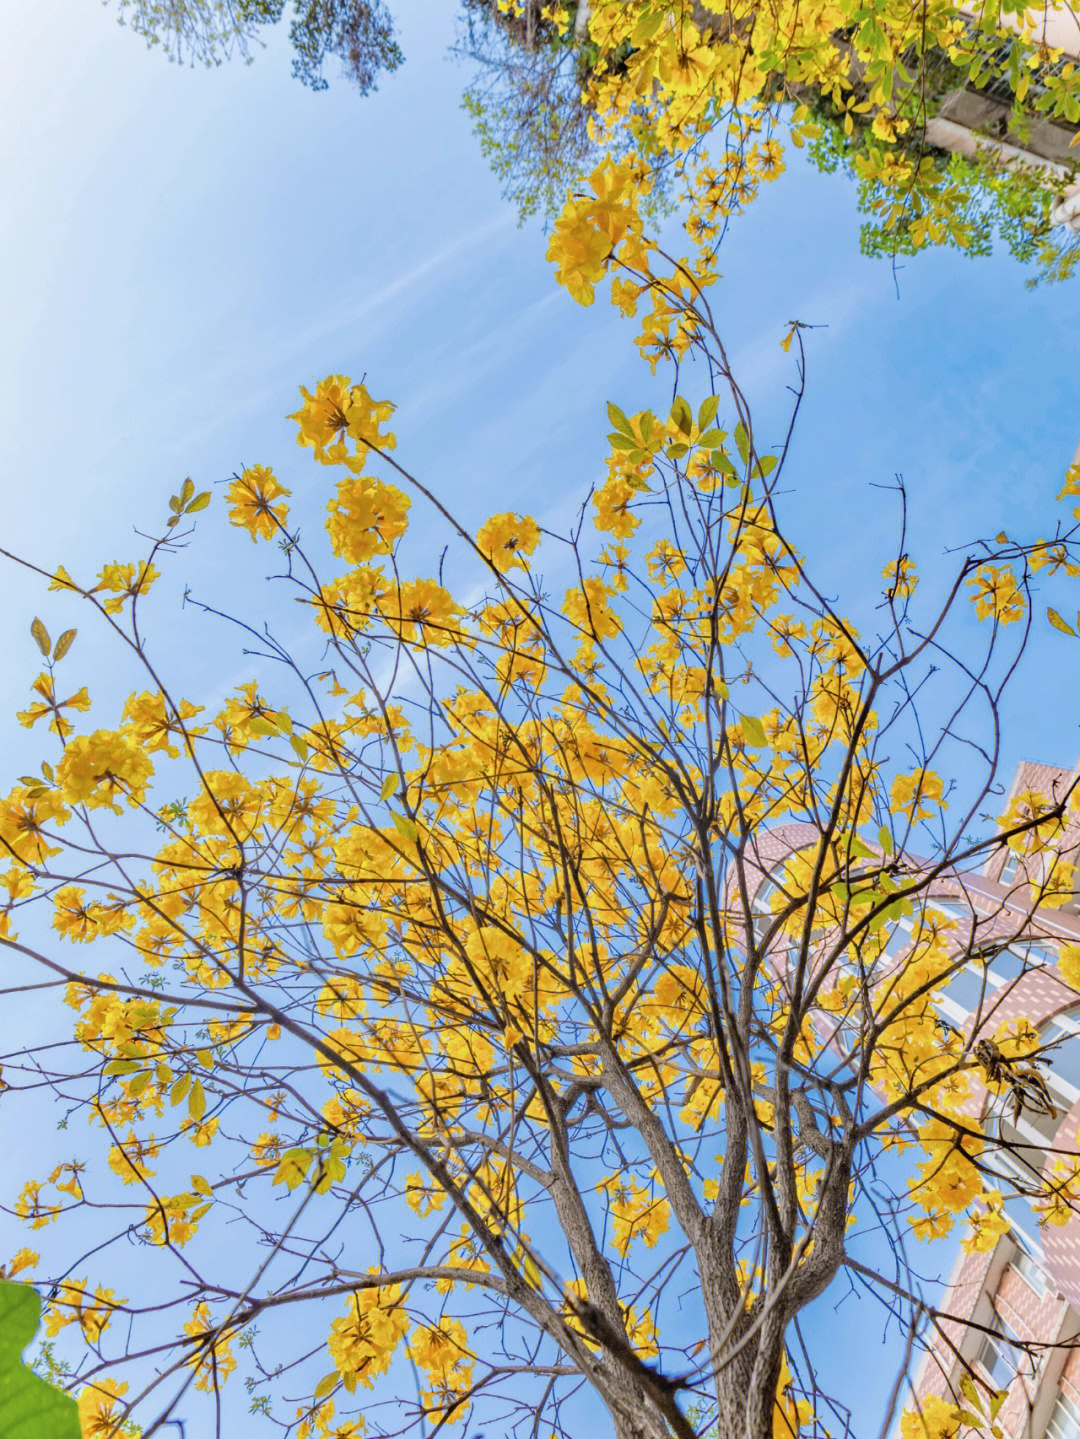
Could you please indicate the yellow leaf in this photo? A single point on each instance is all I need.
(1058, 623)
(326, 1385)
(753, 730)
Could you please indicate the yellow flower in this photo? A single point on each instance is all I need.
(932, 1418)
(22, 1259)
(48, 705)
(423, 1196)
(1069, 964)
(155, 726)
(900, 578)
(338, 407)
(588, 609)
(23, 821)
(212, 1359)
(99, 769)
(323, 421)
(128, 1158)
(366, 518)
(362, 1343)
(995, 593)
(507, 539)
(266, 1151)
(365, 418)
(251, 499)
(97, 1404)
(912, 794)
(170, 1219)
(71, 916)
(422, 612)
(127, 582)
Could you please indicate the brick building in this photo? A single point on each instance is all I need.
(1028, 1287)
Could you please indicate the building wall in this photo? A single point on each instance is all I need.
(982, 1284)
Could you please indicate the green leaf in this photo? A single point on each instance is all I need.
(188, 490)
(885, 839)
(121, 1066)
(63, 644)
(617, 419)
(389, 785)
(201, 1186)
(753, 731)
(707, 413)
(197, 1101)
(682, 416)
(404, 825)
(41, 634)
(858, 850)
(179, 1089)
(29, 1407)
(299, 744)
(767, 464)
(200, 502)
(1059, 624)
(742, 441)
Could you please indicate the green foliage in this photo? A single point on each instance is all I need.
(529, 111)
(29, 1407)
(971, 202)
(206, 32)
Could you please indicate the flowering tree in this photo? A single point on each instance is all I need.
(706, 97)
(498, 1009)
(454, 973)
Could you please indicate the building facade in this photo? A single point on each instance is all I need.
(1015, 1311)
(1026, 1291)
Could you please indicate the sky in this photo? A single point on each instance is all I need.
(180, 249)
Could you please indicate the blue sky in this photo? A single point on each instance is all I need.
(181, 248)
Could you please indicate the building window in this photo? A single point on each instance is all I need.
(1029, 1271)
(1009, 868)
(1064, 1421)
(1062, 1067)
(1001, 1355)
(996, 1361)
